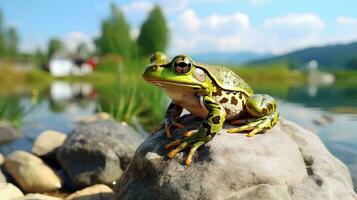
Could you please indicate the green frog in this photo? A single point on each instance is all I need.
(213, 93)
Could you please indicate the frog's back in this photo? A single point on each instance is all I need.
(226, 78)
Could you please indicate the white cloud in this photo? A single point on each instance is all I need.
(295, 20)
(192, 33)
(216, 21)
(138, 6)
(189, 20)
(343, 20)
(233, 32)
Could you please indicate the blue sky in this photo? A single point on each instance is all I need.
(196, 26)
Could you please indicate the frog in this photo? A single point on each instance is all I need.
(214, 93)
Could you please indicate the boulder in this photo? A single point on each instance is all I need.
(47, 143)
(8, 191)
(287, 162)
(36, 196)
(95, 192)
(31, 173)
(98, 152)
(8, 132)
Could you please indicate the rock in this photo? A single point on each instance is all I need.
(31, 173)
(98, 152)
(8, 132)
(36, 196)
(96, 117)
(47, 143)
(324, 120)
(2, 159)
(287, 162)
(8, 191)
(95, 192)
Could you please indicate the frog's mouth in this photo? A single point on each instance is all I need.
(167, 84)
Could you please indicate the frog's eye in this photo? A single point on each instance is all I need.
(182, 65)
(159, 58)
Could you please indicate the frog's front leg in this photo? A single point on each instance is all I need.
(173, 112)
(263, 110)
(208, 129)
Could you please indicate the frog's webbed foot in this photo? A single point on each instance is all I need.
(170, 122)
(255, 125)
(264, 114)
(193, 141)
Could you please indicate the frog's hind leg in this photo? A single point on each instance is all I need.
(262, 108)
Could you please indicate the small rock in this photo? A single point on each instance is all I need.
(36, 196)
(98, 152)
(95, 192)
(2, 159)
(48, 142)
(286, 162)
(323, 120)
(8, 191)
(31, 173)
(96, 117)
(8, 132)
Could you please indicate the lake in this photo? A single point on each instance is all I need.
(328, 110)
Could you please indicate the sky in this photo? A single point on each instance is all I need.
(196, 26)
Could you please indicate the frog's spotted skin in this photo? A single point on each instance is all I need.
(232, 102)
(213, 93)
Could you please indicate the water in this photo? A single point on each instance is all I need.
(329, 110)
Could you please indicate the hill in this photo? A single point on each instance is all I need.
(339, 56)
(228, 58)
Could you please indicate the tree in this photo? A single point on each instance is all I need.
(154, 33)
(12, 41)
(54, 46)
(115, 37)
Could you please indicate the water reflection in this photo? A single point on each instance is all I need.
(58, 110)
(62, 94)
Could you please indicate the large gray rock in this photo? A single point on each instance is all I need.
(8, 132)
(287, 162)
(98, 152)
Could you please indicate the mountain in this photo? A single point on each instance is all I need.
(329, 57)
(228, 58)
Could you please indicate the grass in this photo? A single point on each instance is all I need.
(129, 97)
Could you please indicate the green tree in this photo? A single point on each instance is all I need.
(154, 33)
(115, 37)
(12, 41)
(55, 45)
